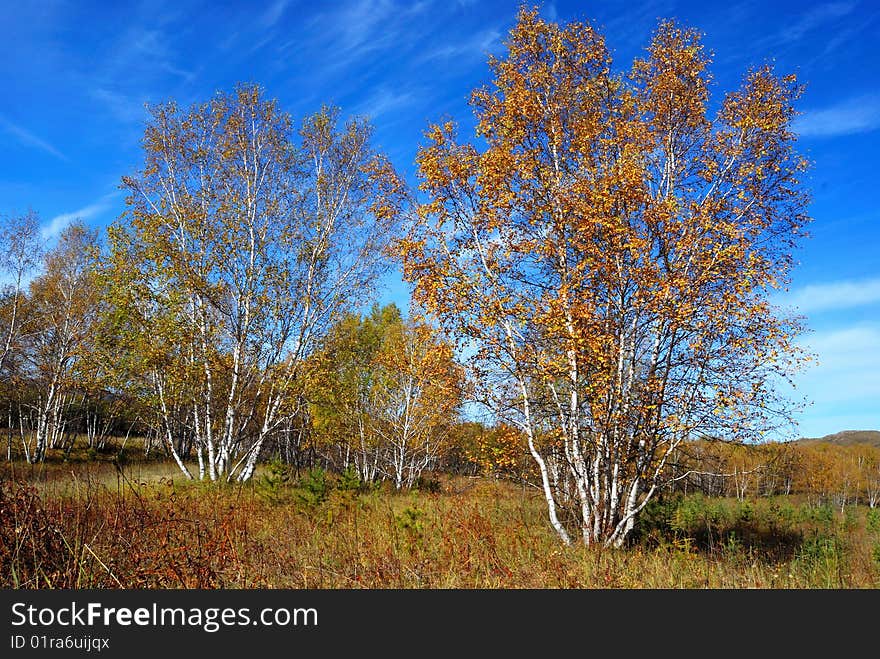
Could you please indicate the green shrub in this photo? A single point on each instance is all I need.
(745, 512)
(653, 523)
(410, 520)
(312, 489)
(271, 484)
(780, 515)
(696, 513)
(349, 481)
(733, 546)
(820, 559)
(822, 513)
(872, 520)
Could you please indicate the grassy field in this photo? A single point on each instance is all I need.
(88, 523)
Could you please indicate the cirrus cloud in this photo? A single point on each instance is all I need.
(833, 295)
(857, 115)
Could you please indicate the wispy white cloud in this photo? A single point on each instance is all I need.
(383, 101)
(477, 44)
(153, 46)
(813, 24)
(139, 57)
(847, 368)
(833, 295)
(54, 227)
(859, 115)
(27, 138)
(632, 26)
(127, 109)
(359, 24)
(839, 40)
(353, 30)
(843, 385)
(845, 347)
(273, 13)
(815, 18)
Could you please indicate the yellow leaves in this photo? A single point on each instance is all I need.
(605, 216)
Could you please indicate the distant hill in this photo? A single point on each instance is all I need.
(847, 438)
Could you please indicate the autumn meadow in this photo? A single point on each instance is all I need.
(585, 392)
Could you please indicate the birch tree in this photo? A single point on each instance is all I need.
(62, 308)
(388, 391)
(606, 252)
(342, 388)
(245, 241)
(417, 394)
(869, 464)
(21, 249)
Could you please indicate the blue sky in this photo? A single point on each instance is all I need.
(75, 76)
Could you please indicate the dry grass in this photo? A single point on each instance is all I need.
(141, 526)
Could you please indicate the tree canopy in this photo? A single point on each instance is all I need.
(606, 246)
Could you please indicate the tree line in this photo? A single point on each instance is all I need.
(600, 256)
(822, 472)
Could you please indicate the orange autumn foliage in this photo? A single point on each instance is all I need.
(605, 248)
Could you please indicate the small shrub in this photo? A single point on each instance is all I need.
(820, 559)
(824, 513)
(410, 520)
(271, 484)
(746, 512)
(819, 547)
(733, 546)
(695, 514)
(653, 523)
(781, 515)
(312, 489)
(349, 481)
